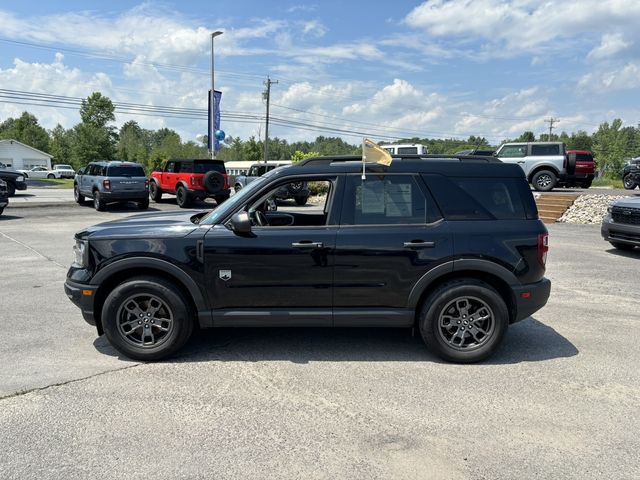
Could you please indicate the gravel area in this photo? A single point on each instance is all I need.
(588, 209)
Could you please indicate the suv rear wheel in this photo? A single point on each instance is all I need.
(147, 318)
(182, 197)
(628, 182)
(98, 203)
(544, 180)
(464, 320)
(77, 196)
(154, 191)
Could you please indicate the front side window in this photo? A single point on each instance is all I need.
(512, 151)
(407, 150)
(385, 200)
(171, 167)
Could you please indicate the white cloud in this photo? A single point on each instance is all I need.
(314, 28)
(511, 28)
(622, 78)
(611, 44)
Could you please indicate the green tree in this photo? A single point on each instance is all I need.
(94, 138)
(97, 109)
(252, 150)
(61, 146)
(611, 144)
(298, 156)
(527, 136)
(27, 130)
(133, 143)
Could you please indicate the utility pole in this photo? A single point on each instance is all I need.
(551, 121)
(267, 96)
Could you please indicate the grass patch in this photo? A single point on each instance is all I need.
(52, 182)
(608, 182)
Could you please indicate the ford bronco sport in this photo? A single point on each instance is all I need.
(189, 180)
(450, 246)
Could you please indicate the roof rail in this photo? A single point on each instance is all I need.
(357, 158)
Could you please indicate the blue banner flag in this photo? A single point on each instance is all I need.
(211, 132)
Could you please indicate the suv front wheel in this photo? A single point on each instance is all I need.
(464, 320)
(544, 180)
(629, 183)
(147, 318)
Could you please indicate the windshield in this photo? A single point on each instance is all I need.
(64, 167)
(234, 201)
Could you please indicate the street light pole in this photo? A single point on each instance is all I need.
(212, 128)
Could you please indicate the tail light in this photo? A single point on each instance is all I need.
(543, 248)
(193, 180)
(106, 184)
(226, 181)
(146, 184)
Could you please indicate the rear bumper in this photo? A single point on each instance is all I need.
(108, 196)
(620, 232)
(531, 297)
(204, 194)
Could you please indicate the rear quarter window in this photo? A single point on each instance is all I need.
(204, 167)
(584, 157)
(477, 198)
(545, 150)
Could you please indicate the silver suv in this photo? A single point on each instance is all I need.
(544, 163)
(112, 181)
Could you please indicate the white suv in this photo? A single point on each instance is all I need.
(544, 163)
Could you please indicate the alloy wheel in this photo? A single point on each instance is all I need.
(145, 320)
(466, 323)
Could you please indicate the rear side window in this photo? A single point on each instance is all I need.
(545, 150)
(584, 157)
(482, 198)
(126, 171)
(407, 150)
(386, 200)
(204, 167)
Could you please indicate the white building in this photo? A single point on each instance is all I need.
(17, 155)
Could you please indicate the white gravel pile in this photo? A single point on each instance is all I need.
(588, 209)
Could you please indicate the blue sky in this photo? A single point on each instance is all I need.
(439, 68)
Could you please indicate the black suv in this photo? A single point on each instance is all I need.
(631, 174)
(452, 246)
(4, 195)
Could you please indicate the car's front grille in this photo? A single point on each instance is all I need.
(630, 237)
(630, 216)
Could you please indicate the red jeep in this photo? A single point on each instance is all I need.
(191, 179)
(585, 169)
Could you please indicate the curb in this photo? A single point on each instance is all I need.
(13, 205)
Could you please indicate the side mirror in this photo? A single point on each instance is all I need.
(240, 223)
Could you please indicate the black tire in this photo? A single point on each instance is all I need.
(221, 198)
(78, 197)
(143, 204)
(586, 184)
(182, 197)
(301, 200)
(155, 192)
(544, 180)
(237, 187)
(622, 246)
(213, 182)
(11, 189)
(480, 297)
(98, 203)
(628, 182)
(151, 305)
(1, 210)
(51, 175)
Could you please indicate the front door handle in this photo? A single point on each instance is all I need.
(419, 244)
(307, 244)
(521, 162)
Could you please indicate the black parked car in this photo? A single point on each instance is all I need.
(15, 181)
(631, 174)
(621, 224)
(4, 196)
(451, 246)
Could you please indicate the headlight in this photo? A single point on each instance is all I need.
(609, 209)
(81, 253)
(20, 179)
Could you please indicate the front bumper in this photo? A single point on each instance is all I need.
(531, 297)
(82, 296)
(20, 185)
(625, 233)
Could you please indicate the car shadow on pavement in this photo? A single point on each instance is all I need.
(526, 341)
(625, 253)
(5, 216)
(121, 207)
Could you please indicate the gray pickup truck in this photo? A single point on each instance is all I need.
(299, 191)
(545, 164)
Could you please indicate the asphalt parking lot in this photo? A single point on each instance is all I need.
(559, 400)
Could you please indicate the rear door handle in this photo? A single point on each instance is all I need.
(307, 244)
(419, 244)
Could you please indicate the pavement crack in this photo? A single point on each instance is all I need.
(33, 250)
(68, 382)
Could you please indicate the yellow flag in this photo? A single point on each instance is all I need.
(372, 153)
